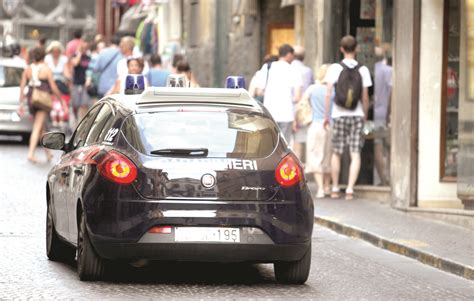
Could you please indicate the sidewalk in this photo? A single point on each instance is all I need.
(443, 246)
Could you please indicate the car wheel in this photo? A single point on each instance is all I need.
(56, 249)
(294, 272)
(89, 265)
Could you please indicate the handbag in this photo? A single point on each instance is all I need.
(92, 90)
(41, 100)
(304, 112)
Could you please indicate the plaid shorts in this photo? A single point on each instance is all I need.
(347, 130)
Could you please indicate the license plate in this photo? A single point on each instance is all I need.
(207, 234)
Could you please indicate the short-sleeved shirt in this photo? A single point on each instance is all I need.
(332, 76)
(317, 94)
(80, 70)
(283, 79)
(58, 70)
(382, 90)
(107, 67)
(122, 68)
(157, 77)
(306, 73)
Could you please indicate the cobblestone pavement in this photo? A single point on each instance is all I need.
(343, 268)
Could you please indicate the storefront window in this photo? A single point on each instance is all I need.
(450, 103)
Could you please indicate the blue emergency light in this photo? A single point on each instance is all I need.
(134, 84)
(235, 82)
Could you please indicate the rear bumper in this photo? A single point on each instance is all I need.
(24, 126)
(207, 252)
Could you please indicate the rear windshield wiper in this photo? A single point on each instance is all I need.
(193, 152)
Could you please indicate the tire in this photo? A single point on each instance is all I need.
(56, 249)
(294, 272)
(90, 266)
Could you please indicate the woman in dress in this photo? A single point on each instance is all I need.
(38, 76)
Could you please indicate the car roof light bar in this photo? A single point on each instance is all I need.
(167, 95)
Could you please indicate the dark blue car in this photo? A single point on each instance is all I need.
(178, 174)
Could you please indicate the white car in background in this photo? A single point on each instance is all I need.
(10, 122)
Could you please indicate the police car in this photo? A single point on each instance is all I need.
(178, 174)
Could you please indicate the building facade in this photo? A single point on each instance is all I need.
(431, 143)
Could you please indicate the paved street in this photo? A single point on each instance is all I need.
(343, 268)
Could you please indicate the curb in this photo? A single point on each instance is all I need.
(395, 247)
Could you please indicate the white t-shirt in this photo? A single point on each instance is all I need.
(332, 76)
(122, 69)
(58, 70)
(283, 80)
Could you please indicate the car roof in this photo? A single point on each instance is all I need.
(154, 97)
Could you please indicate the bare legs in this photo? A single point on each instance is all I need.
(354, 169)
(380, 163)
(323, 181)
(298, 150)
(38, 128)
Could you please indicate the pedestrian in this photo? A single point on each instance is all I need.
(176, 59)
(58, 63)
(73, 45)
(41, 42)
(382, 96)
(106, 66)
(282, 89)
(38, 76)
(261, 75)
(92, 77)
(301, 131)
(183, 67)
(318, 143)
(351, 102)
(80, 98)
(135, 66)
(127, 44)
(157, 76)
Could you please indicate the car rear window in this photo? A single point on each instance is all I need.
(225, 134)
(10, 76)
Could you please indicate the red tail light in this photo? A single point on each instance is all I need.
(160, 230)
(288, 172)
(117, 168)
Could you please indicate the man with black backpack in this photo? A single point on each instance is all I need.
(351, 103)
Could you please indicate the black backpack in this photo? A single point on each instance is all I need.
(348, 87)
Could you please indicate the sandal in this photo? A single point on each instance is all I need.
(335, 193)
(349, 195)
(320, 194)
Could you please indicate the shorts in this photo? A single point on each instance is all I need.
(301, 135)
(347, 130)
(79, 97)
(318, 148)
(381, 133)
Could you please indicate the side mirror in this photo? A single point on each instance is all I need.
(53, 140)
